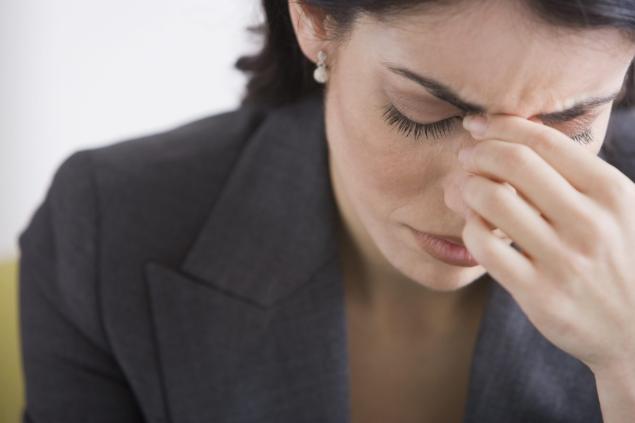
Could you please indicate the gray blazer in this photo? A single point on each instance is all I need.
(193, 276)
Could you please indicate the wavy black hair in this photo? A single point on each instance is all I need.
(280, 73)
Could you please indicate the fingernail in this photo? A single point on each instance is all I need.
(476, 124)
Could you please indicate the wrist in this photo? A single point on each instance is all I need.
(616, 392)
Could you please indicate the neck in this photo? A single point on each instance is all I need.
(384, 294)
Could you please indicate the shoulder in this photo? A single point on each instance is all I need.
(183, 155)
(178, 164)
(109, 205)
(175, 165)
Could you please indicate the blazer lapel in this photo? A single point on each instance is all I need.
(226, 359)
(251, 326)
(517, 375)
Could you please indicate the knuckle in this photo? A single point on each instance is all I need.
(520, 158)
(542, 141)
(500, 193)
(594, 230)
(617, 190)
(576, 263)
(516, 155)
(494, 196)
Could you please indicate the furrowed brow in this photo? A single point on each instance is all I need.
(445, 93)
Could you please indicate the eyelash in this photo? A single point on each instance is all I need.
(441, 128)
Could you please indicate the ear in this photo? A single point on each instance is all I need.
(309, 24)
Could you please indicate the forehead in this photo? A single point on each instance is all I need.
(499, 53)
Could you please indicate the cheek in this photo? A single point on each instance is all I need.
(382, 168)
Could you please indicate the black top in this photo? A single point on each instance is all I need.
(193, 276)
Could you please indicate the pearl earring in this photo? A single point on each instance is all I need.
(320, 73)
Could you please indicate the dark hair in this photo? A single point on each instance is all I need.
(280, 73)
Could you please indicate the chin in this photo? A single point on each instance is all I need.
(430, 272)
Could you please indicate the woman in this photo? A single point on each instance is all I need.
(282, 262)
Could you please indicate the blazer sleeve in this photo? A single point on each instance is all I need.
(70, 372)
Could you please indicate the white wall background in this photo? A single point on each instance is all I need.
(77, 73)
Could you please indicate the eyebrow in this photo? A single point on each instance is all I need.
(446, 94)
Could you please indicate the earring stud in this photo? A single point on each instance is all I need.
(320, 74)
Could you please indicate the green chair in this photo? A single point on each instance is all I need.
(11, 385)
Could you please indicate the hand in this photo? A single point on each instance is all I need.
(572, 215)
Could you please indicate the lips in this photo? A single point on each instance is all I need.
(444, 250)
(449, 238)
(459, 241)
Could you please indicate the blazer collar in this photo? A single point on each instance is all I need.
(275, 221)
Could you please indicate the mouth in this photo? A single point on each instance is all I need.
(444, 248)
(457, 240)
(453, 239)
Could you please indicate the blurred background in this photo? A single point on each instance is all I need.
(77, 74)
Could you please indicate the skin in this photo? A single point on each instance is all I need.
(523, 179)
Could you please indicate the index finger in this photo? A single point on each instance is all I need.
(584, 171)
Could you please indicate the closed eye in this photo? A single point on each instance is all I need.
(410, 128)
(441, 128)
